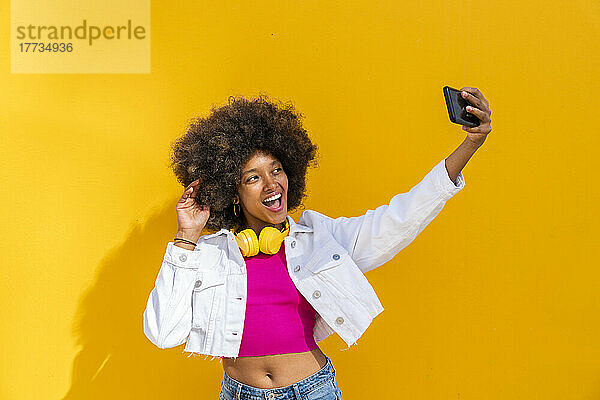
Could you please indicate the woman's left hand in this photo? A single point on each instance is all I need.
(480, 108)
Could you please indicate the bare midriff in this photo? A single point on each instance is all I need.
(275, 370)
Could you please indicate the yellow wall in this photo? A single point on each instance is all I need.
(496, 299)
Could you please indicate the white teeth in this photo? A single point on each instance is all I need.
(272, 197)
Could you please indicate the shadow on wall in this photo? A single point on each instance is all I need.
(116, 360)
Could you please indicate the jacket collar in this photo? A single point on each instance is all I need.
(294, 227)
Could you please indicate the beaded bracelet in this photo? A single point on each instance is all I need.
(177, 240)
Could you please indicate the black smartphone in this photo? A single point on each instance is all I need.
(457, 108)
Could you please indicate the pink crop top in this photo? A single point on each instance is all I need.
(278, 319)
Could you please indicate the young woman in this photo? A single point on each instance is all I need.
(261, 290)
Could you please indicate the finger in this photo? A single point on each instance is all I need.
(189, 192)
(475, 93)
(478, 103)
(193, 192)
(483, 116)
(184, 196)
(474, 100)
(480, 96)
(194, 183)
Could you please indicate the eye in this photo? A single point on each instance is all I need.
(255, 176)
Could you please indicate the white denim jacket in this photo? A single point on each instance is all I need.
(199, 295)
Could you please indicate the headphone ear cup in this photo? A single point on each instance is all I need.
(247, 242)
(269, 240)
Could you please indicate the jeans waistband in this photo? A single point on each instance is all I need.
(293, 391)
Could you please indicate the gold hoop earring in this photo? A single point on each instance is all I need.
(238, 210)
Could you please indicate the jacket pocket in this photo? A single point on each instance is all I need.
(204, 296)
(334, 268)
(328, 257)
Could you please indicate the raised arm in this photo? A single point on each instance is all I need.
(377, 236)
(168, 313)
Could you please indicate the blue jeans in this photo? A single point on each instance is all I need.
(319, 386)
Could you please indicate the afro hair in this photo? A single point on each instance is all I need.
(215, 148)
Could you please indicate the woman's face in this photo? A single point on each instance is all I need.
(263, 177)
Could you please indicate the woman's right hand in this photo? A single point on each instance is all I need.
(191, 217)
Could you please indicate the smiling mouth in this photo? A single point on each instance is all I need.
(274, 205)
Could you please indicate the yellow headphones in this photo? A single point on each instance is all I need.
(268, 242)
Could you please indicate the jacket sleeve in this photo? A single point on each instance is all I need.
(377, 236)
(168, 313)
